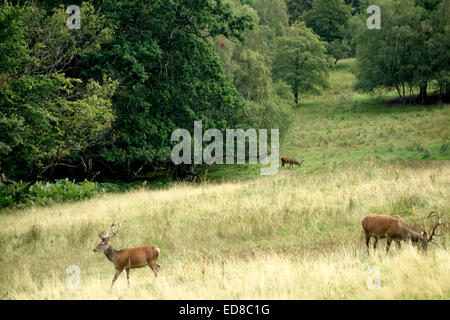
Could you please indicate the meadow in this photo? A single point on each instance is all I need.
(237, 235)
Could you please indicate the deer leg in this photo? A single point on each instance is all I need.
(389, 240)
(399, 244)
(116, 276)
(375, 244)
(128, 275)
(367, 243)
(155, 267)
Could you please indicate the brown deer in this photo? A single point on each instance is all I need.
(393, 228)
(127, 258)
(291, 161)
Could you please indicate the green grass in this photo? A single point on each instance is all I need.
(238, 235)
(342, 128)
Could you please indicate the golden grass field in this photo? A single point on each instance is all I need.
(290, 236)
(294, 235)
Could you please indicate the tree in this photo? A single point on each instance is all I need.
(272, 13)
(408, 52)
(44, 115)
(301, 61)
(328, 18)
(440, 48)
(356, 6)
(249, 65)
(170, 76)
(296, 8)
(428, 4)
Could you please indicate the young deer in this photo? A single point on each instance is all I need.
(393, 228)
(291, 161)
(127, 258)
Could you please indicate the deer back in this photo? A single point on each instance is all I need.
(135, 257)
(378, 224)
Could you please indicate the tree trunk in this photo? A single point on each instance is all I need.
(423, 93)
(296, 97)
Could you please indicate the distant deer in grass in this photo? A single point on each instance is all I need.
(393, 228)
(291, 161)
(127, 258)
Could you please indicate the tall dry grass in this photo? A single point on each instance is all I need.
(290, 236)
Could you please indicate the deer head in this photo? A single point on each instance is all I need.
(104, 244)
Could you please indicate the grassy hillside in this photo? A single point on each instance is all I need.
(342, 128)
(294, 235)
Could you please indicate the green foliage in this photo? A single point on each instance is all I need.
(409, 51)
(13, 50)
(440, 47)
(272, 13)
(339, 49)
(249, 64)
(44, 115)
(169, 73)
(46, 193)
(301, 61)
(296, 8)
(428, 4)
(328, 18)
(161, 55)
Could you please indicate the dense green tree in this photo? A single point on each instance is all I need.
(44, 115)
(169, 75)
(296, 8)
(440, 47)
(249, 65)
(272, 13)
(328, 18)
(356, 6)
(301, 61)
(407, 53)
(428, 4)
(384, 56)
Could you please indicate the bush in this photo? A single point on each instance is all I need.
(45, 193)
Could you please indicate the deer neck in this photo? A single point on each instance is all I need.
(110, 253)
(413, 234)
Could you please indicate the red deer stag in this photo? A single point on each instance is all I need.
(291, 161)
(393, 228)
(127, 258)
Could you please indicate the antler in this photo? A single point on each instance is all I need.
(117, 230)
(105, 235)
(435, 227)
(432, 213)
(111, 233)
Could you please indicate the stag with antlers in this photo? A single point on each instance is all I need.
(127, 258)
(394, 228)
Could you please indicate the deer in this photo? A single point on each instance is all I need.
(127, 258)
(394, 228)
(291, 161)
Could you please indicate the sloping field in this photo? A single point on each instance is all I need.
(294, 235)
